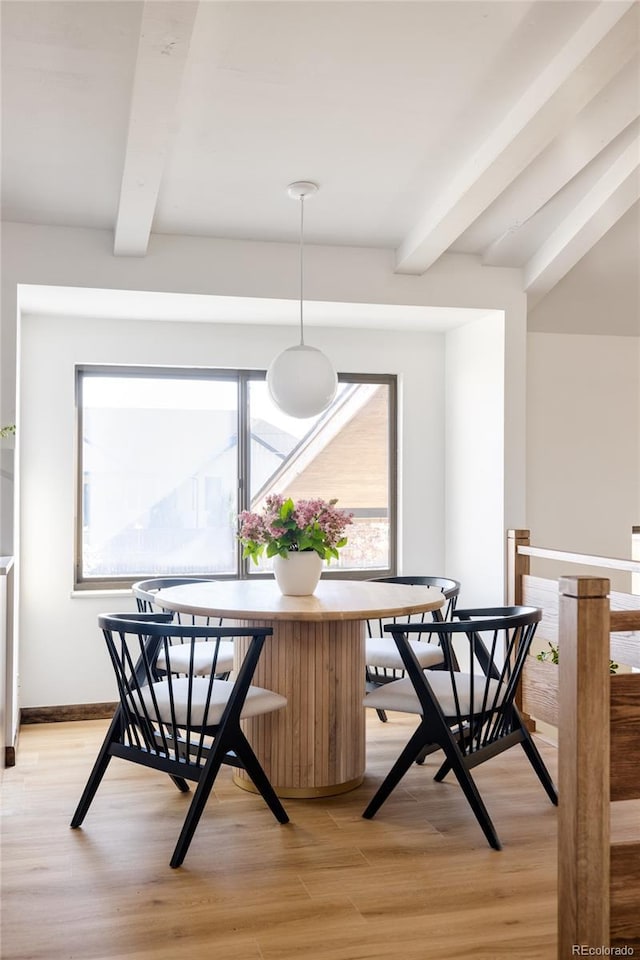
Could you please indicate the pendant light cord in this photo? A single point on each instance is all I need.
(301, 270)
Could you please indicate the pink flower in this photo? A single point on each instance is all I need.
(283, 526)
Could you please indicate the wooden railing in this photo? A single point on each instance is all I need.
(598, 720)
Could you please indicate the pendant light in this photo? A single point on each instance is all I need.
(301, 379)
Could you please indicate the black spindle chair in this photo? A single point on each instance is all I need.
(185, 726)
(470, 713)
(145, 593)
(383, 662)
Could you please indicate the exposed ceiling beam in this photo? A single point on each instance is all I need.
(616, 191)
(165, 35)
(589, 60)
(615, 110)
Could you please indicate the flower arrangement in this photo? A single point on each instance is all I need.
(283, 526)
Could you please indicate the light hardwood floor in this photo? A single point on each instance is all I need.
(419, 881)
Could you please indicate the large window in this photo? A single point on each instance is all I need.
(168, 458)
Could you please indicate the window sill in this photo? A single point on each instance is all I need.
(126, 592)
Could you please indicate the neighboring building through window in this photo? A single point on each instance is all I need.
(168, 458)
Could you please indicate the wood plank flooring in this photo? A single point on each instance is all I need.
(417, 882)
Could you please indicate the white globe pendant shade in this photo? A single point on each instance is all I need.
(302, 381)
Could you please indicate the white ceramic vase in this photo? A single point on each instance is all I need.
(298, 573)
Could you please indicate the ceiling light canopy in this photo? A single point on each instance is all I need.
(301, 379)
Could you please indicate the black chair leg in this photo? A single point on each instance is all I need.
(198, 803)
(382, 715)
(397, 772)
(252, 765)
(442, 771)
(538, 765)
(181, 784)
(476, 802)
(461, 739)
(426, 752)
(97, 772)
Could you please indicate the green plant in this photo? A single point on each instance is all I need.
(284, 526)
(551, 656)
(8, 431)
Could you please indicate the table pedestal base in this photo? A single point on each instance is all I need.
(315, 746)
(301, 793)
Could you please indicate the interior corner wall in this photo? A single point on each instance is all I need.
(583, 403)
(475, 459)
(583, 447)
(58, 628)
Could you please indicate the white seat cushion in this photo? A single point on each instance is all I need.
(400, 695)
(258, 700)
(180, 654)
(382, 652)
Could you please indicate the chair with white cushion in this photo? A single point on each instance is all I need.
(145, 592)
(469, 713)
(383, 662)
(185, 726)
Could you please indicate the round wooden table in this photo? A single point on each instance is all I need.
(315, 747)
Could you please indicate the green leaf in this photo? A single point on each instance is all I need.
(287, 509)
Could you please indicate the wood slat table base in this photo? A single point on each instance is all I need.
(315, 746)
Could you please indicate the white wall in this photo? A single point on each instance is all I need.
(73, 257)
(601, 294)
(583, 440)
(55, 628)
(475, 459)
(560, 483)
(58, 629)
(583, 406)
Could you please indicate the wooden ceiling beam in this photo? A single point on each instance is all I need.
(163, 47)
(596, 52)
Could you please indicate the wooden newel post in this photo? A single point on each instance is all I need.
(583, 777)
(517, 564)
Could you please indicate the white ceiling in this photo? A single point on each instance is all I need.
(504, 129)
